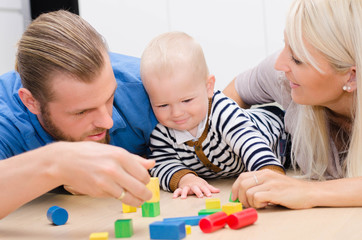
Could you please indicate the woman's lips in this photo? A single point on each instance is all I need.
(293, 85)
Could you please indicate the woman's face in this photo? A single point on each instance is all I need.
(308, 85)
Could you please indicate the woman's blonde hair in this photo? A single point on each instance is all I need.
(334, 28)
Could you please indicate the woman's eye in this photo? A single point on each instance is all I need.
(296, 61)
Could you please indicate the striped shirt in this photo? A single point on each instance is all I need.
(236, 140)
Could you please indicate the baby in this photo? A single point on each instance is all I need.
(201, 133)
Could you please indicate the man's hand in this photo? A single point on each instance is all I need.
(101, 170)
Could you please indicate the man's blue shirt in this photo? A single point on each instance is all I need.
(133, 118)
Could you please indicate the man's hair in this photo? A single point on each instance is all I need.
(58, 42)
(166, 52)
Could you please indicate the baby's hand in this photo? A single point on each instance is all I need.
(192, 184)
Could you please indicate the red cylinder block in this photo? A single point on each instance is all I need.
(213, 222)
(242, 218)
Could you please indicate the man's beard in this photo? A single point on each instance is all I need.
(58, 135)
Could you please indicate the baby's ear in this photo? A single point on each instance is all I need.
(210, 84)
(29, 101)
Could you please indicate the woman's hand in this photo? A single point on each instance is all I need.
(192, 184)
(261, 188)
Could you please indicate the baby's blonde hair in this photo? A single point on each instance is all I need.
(168, 51)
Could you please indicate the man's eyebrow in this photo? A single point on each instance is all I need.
(87, 109)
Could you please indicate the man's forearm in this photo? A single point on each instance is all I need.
(25, 177)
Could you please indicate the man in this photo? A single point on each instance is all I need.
(71, 95)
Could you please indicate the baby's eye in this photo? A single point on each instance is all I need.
(187, 100)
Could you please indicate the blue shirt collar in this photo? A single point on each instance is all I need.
(118, 121)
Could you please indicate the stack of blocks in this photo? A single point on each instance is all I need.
(212, 206)
(123, 228)
(231, 214)
(151, 208)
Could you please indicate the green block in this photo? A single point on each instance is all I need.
(123, 228)
(237, 200)
(209, 211)
(150, 209)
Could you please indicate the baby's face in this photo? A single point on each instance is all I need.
(179, 101)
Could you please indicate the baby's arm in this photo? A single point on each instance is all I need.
(169, 167)
(252, 141)
(191, 184)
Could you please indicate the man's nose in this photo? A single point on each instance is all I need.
(103, 118)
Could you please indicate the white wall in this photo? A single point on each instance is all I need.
(235, 34)
(12, 22)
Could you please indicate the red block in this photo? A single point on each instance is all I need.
(213, 222)
(242, 218)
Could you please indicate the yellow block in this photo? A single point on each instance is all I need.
(188, 229)
(154, 186)
(99, 236)
(128, 209)
(212, 203)
(232, 207)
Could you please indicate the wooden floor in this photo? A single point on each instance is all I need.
(88, 215)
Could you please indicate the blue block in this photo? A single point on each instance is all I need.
(167, 230)
(192, 220)
(57, 215)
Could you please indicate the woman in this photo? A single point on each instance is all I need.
(316, 79)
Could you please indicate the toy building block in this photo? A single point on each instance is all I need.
(237, 200)
(99, 236)
(57, 215)
(150, 209)
(243, 218)
(123, 228)
(128, 209)
(192, 220)
(154, 186)
(188, 229)
(209, 211)
(167, 230)
(212, 203)
(213, 222)
(230, 208)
